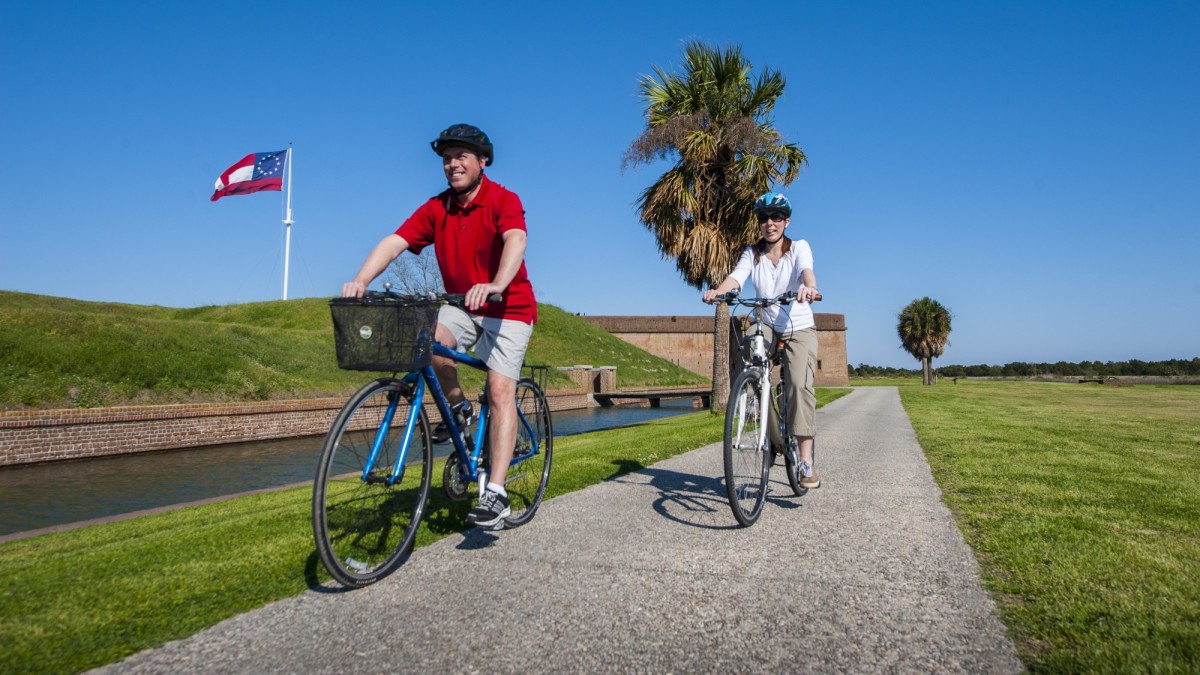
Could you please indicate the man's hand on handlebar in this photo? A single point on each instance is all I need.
(481, 294)
(353, 289)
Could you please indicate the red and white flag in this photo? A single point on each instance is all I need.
(254, 172)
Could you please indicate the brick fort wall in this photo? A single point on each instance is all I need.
(687, 341)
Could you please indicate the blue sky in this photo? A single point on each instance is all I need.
(1034, 166)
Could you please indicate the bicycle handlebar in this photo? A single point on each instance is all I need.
(733, 298)
(456, 299)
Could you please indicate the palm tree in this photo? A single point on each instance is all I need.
(714, 119)
(924, 331)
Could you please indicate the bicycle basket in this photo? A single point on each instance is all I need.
(383, 335)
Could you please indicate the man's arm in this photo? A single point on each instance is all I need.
(385, 252)
(511, 257)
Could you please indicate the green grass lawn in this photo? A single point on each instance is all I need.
(1082, 503)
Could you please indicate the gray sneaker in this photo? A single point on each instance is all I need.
(491, 511)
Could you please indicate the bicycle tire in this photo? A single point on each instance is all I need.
(527, 479)
(791, 462)
(364, 529)
(746, 464)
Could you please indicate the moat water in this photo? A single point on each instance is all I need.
(46, 495)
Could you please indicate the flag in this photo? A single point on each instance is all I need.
(254, 172)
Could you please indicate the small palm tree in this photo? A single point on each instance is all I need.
(715, 120)
(924, 331)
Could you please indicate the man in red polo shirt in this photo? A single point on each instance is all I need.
(477, 228)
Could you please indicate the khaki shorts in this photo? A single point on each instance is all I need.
(500, 343)
(800, 358)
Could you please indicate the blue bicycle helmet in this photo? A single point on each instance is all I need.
(773, 201)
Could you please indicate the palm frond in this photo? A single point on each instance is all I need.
(713, 118)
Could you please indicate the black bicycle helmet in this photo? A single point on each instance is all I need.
(468, 135)
(773, 201)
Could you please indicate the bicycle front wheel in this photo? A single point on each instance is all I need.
(746, 462)
(364, 522)
(528, 476)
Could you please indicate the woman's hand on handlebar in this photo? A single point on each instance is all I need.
(806, 294)
(353, 289)
(712, 296)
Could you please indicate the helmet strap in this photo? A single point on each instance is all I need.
(470, 188)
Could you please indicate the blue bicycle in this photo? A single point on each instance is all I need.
(373, 480)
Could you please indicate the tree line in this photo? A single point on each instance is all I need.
(1023, 369)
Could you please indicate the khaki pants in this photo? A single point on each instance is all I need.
(800, 362)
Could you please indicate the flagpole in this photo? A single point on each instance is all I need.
(287, 222)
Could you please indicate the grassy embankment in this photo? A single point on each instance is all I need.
(83, 598)
(1082, 503)
(56, 352)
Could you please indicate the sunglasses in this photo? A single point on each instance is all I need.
(774, 215)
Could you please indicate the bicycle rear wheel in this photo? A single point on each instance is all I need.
(782, 442)
(527, 479)
(746, 462)
(791, 461)
(363, 523)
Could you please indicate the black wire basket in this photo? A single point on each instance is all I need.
(389, 334)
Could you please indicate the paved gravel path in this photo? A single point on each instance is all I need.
(649, 573)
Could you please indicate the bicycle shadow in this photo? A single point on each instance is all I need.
(698, 501)
(688, 499)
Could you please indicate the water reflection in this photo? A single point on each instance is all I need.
(34, 497)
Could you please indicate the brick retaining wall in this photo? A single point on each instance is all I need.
(30, 436)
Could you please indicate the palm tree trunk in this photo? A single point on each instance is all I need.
(925, 370)
(720, 376)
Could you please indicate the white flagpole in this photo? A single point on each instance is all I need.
(287, 222)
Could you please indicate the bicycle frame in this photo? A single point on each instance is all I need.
(423, 380)
(760, 362)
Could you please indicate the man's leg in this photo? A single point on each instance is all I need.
(502, 346)
(502, 425)
(446, 369)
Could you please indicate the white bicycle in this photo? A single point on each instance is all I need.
(756, 431)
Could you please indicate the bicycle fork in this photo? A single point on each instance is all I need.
(414, 412)
(764, 409)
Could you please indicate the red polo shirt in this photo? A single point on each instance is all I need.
(468, 244)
